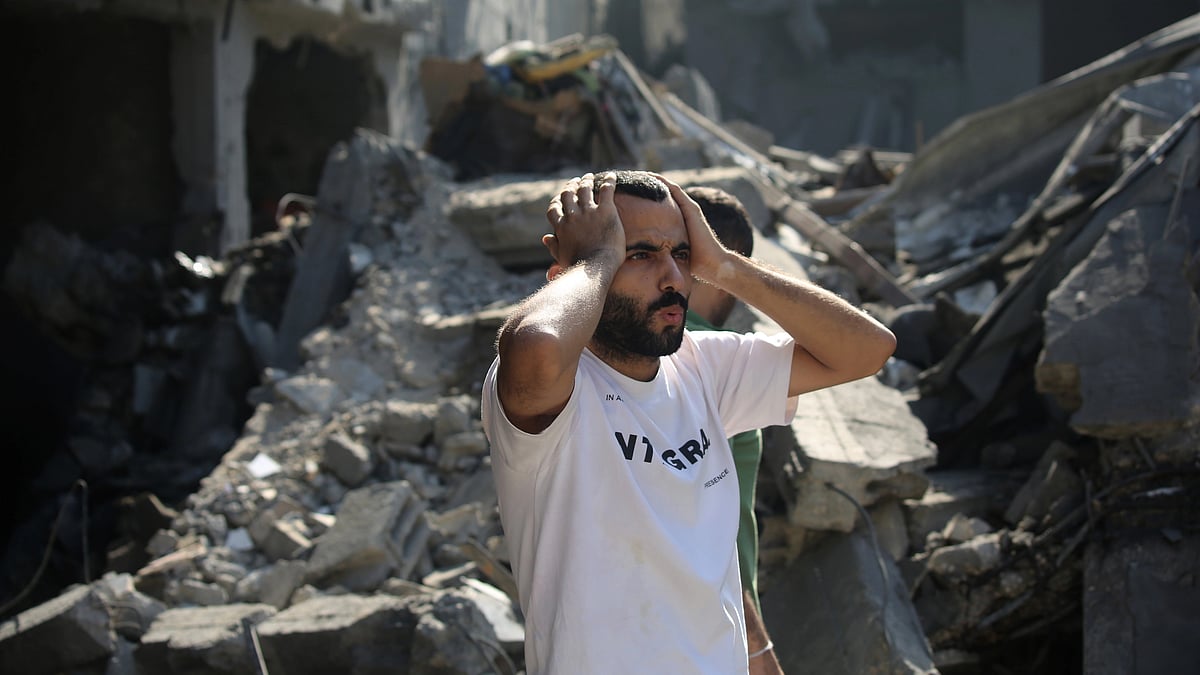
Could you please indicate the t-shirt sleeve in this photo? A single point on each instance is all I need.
(749, 375)
(519, 450)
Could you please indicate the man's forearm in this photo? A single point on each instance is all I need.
(568, 307)
(762, 651)
(842, 340)
(541, 342)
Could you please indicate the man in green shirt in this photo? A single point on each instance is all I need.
(708, 309)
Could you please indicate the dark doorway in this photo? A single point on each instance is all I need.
(302, 101)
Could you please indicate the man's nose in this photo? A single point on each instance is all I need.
(672, 278)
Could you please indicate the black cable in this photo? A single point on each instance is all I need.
(37, 575)
(883, 572)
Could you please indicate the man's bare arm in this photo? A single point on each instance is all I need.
(541, 341)
(835, 341)
(763, 661)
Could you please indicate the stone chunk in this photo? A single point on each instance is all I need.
(329, 633)
(408, 421)
(273, 584)
(132, 612)
(1133, 290)
(963, 528)
(350, 461)
(853, 609)
(966, 492)
(285, 540)
(1052, 490)
(379, 532)
(1139, 606)
(311, 395)
(968, 558)
(67, 632)
(860, 437)
(201, 640)
(195, 592)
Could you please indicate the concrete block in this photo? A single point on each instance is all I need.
(340, 634)
(350, 461)
(832, 611)
(378, 532)
(860, 437)
(201, 640)
(61, 634)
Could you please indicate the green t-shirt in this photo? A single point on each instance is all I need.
(747, 453)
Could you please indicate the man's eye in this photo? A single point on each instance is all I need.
(682, 255)
(638, 255)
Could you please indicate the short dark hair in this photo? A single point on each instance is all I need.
(727, 217)
(641, 184)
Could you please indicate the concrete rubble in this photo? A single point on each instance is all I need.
(1021, 478)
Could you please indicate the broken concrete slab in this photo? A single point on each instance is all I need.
(861, 438)
(379, 532)
(507, 220)
(202, 639)
(841, 608)
(344, 633)
(1132, 290)
(70, 631)
(1139, 606)
(441, 632)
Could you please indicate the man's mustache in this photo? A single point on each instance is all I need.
(669, 299)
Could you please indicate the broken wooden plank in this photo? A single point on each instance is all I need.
(980, 361)
(666, 123)
(866, 270)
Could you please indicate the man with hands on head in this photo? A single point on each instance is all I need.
(608, 425)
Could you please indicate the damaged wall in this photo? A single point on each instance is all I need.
(822, 76)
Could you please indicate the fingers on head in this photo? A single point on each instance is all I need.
(607, 181)
(582, 192)
(555, 212)
(585, 193)
(569, 199)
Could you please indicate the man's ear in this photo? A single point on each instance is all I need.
(553, 271)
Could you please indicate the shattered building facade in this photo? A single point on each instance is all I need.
(253, 298)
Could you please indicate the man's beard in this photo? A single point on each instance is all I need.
(624, 328)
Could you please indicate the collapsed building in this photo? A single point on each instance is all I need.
(1016, 490)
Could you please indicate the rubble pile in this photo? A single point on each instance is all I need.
(1017, 489)
(364, 470)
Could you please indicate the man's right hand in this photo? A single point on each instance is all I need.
(585, 221)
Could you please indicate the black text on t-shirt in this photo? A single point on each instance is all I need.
(691, 450)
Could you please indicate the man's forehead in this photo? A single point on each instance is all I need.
(639, 214)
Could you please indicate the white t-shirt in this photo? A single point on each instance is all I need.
(621, 517)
